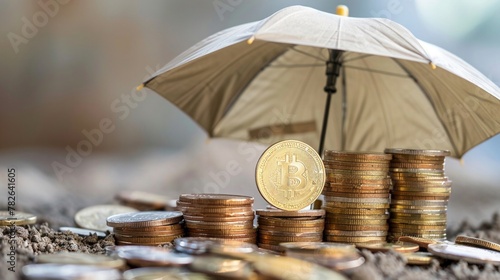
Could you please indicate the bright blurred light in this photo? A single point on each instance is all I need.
(455, 18)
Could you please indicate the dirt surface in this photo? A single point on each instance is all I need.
(40, 239)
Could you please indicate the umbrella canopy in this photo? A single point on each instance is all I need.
(264, 81)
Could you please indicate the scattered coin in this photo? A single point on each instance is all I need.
(220, 267)
(202, 245)
(401, 247)
(94, 217)
(290, 175)
(80, 259)
(477, 242)
(83, 232)
(69, 272)
(418, 258)
(467, 253)
(338, 256)
(142, 256)
(19, 218)
(160, 273)
(143, 201)
(421, 242)
(285, 268)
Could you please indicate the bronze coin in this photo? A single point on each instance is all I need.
(282, 213)
(189, 218)
(282, 222)
(352, 156)
(216, 199)
(356, 227)
(354, 211)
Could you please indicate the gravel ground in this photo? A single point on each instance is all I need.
(40, 238)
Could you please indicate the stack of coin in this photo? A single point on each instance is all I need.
(420, 193)
(146, 228)
(357, 196)
(278, 226)
(218, 216)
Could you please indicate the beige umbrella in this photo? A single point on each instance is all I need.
(265, 81)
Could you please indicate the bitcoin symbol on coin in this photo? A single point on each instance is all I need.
(293, 175)
(290, 175)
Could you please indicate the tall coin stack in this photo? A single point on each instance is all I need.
(357, 196)
(420, 193)
(218, 216)
(146, 228)
(278, 226)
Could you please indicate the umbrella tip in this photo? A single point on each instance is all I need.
(342, 10)
(250, 40)
(433, 66)
(139, 87)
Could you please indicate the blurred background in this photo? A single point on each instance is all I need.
(67, 66)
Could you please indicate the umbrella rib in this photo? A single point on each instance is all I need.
(307, 54)
(430, 102)
(379, 71)
(356, 58)
(296, 65)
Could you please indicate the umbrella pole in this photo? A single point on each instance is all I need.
(333, 65)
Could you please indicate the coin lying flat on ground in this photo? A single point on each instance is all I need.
(418, 258)
(477, 242)
(401, 247)
(143, 201)
(69, 272)
(18, 219)
(467, 253)
(290, 175)
(94, 217)
(83, 231)
(142, 256)
(80, 259)
(160, 273)
(338, 256)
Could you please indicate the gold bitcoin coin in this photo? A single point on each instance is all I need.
(290, 175)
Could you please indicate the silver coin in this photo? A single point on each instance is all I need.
(201, 245)
(114, 250)
(94, 217)
(226, 268)
(69, 272)
(83, 231)
(140, 218)
(461, 252)
(152, 256)
(80, 259)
